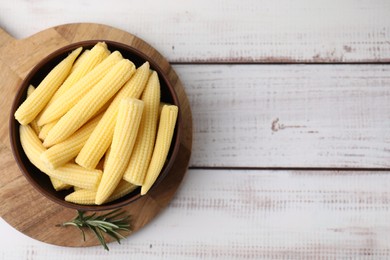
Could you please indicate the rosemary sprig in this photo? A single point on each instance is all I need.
(109, 223)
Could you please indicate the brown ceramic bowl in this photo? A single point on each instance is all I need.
(39, 180)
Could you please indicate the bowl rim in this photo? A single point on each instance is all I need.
(21, 91)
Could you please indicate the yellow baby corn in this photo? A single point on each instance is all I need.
(143, 148)
(59, 185)
(96, 55)
(106, 157)
(126, 129)
(87, 197)
(79, 60)
(30, 90)
(101, 137)
(33, 148)
(163, 142)
(100, 165)
(162, 104)
(76, 175)
(82, 197)
(91, 103)
(63, 152)
(46, 128)
(68, 99)
(33, 123)
(121, 190)
(34, 104)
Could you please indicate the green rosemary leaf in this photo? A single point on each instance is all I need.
(100, 237)
(114, 235)
(82, 232)
(102, 224)
(105, 223)
(122, 220)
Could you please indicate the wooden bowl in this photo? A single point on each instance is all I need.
(40, 180)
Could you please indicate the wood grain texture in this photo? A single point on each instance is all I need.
(300, 116)
(8, 84)
(228, 31)
(253, 116)
(22, 206)
(254, 215)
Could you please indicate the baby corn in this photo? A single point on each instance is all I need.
(96, 55)
(79, 60)
(63, 152)
(34, 104)
(76, 175)
(125, 133)
(70, 98)
(33, 123)
(33, 149)
(140, 158)
(46, 128)
(100, 139)
(87, 197)
(163, 142)
(90, 103)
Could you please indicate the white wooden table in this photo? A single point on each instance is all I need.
(291, 108)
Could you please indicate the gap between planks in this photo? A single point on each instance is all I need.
(207, 31)
(216, 62)
(252, 215)
(317, 169)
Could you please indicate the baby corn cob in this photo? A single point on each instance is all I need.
(76, 175)
(106, 157)
(69, 174)
(162, 104)
(33, 123)
(126, 129)
(121, 190)
(87, 197)
(163, 142)
(59, 185)
(143, 148)
(34, 104)
(96, 55)
(79, 60)
(63, 152)
(79, 90)
(90, 103)
(82, 197)
(46, 128)
(33, 147)
(101, 137)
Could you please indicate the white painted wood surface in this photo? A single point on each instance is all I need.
(231, 30)
(222, 214)
(256, 116)
(289, 115)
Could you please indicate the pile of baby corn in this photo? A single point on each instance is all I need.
(96, 124)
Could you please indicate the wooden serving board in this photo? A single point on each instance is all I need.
(21, 205)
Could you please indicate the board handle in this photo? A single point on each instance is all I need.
(5, 37)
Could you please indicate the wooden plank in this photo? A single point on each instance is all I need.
(222, 214)
(228, 31)
(289, 115)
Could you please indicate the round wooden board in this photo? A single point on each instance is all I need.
(21, 205)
